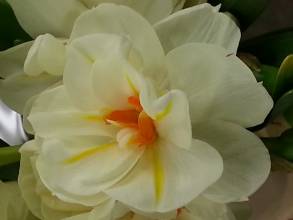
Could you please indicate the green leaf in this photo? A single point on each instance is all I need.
(280, 164)
(11, 32)
(288, 114)
(284, 80)
(269, 76)
(246, 11)
(9, 172)
(284, 104)
(9, 155)
(271, 48)
(281, 146)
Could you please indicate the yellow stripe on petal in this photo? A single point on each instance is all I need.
(94, 118)
(132, 86)
(158, 174)
(89, 152)
(165, 112)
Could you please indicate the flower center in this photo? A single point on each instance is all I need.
(135, 118)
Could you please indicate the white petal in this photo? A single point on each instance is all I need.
(46, 55)
(12, 59)
(202, 23)
(121, 20)
(114, 82)
(18, 88)
(168, 177)
(42, 16)
(54, 115)
(246, 160)
(100, 212)
(171, 116)
(27, 180)
(83, 166)
(11, 204)
(205, 209)
(152, 10)
(218, 85)
(79, 70)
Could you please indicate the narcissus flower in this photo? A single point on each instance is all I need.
(152, 118)
(46, 206)
(30, 68)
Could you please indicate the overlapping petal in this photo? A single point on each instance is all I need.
(225, 90)
(164, 168)
(121, 20)
(83, 166)
(199, 24)
(152, 10)
(43, 16)
(246, 160)
(54, 115)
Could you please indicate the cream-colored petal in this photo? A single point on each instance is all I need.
(115, 80)
(246, 160)
(12, 205)
(202, 23)
(46, 55)
(218, 85)
(205, 209)
(53, 115)
(123, 21)
(82, 54)
(18, 88)
(43, 16)
(83, 166)
(12, 59)
(172, 120)
(168, 177)
(152, 10)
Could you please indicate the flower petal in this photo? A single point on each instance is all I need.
(163, 168)
(82, 54)
(54, 115)
(46, 55)
(171, 116)
(83, 166)
(121, 20)
(152, 10)
(42, 16)
(246, 160)
(12, 59)
(114, 82)
(11, 204)
(18, 88)
(202, 23)
(203, 208)
(225, 90)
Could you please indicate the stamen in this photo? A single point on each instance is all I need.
(129, 118)
(158, 174)
(134, 101)
(147, 133)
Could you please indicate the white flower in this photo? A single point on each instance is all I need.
(12, 205)
(121, 123)
(46, 206)
(43, 62)
(57, 17)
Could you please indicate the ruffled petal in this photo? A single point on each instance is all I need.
(42, 16)
(149, 187)
(218, 85)
(77, 166)
(246, 160)
(202, 23)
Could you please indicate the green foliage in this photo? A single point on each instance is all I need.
(271, 48)
(281, 146)
(246, 11)
(11, 32)
(9, 172)
(9, 155)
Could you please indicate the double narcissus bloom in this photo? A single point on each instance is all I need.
(153, 117)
